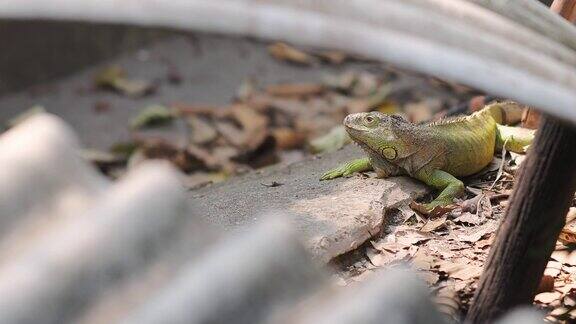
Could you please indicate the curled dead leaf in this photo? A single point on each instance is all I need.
(434, 213)
(371, 102)
(287, 53)
(412, 237)
(254, 127)
(202, 131)
(114, 78)
(332, 57)
(152, 116)
(546, 284)
(298, 90)
(333, 141)
(433, 224)
(547, 297)
(155, 148)
(287, 138)
(530, 118)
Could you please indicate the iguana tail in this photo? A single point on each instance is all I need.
(515, 139)
(505, 113)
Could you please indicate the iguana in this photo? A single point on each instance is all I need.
(435, 153)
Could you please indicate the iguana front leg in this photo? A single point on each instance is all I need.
(348, 168)
(449, 187)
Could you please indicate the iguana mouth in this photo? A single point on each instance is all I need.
(365, 147)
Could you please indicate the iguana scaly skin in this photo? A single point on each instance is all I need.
(435, 153)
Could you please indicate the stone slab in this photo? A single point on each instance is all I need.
(334, 216)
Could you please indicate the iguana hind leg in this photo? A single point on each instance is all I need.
(449, 187)
(348, 168)
(517, 139)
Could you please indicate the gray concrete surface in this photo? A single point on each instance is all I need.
(41, 51)
(333, 216)
(212, 69)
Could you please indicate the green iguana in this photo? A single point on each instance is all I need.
(434, 153)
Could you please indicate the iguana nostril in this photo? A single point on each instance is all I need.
(347, 119)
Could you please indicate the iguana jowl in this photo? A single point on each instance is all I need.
(434, 153)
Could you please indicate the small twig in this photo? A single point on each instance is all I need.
(501, 167)
(499, 196)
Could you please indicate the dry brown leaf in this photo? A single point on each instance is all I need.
(448, 266)
(567, 236)
(184, 109)
(422, 261)
(546, 284)
(246, 90)
(571, 215)
(431, 278)
(343, 81)
(571, 259)
(412, 237)
(530, 118)
(333, 57)
(468, 218)
(288, 139)
(392, 247)
(436, 212)
(371, 102)
(330, 142)
(467, 272)
(475, 234)
(553, 268)
(471, 205)
(154, 148)
(382, 258)
(365, 84)
(232, 133)
(285, 52)
(560, 255)
(114, 78)
(547, 297)
(208, 159)
(152, 116)
(434, 224)
(570, 301)
(385, 253)
(421, 111)
(482, 244)
(254, 126)
(202, 132)
(458, 270)
(297, 90)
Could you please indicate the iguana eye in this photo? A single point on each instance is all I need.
(369, 120)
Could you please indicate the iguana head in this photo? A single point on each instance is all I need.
(377, 133)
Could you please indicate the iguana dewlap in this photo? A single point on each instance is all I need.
(434, 153)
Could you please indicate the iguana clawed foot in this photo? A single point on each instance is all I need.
(347, 169)
(336, 173)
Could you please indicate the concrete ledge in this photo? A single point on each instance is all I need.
(333, 217)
